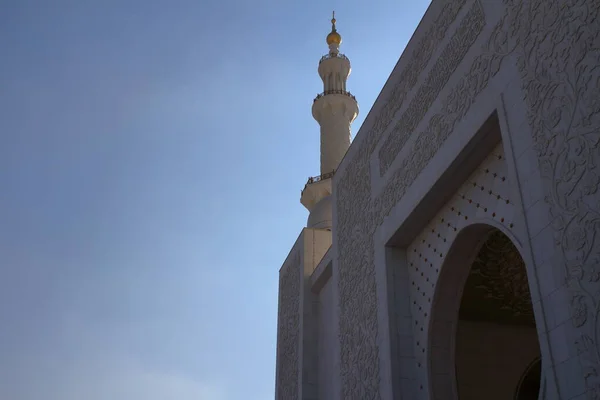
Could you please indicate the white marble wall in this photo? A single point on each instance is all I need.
(479, 79)
(326, 341)
(534, 64)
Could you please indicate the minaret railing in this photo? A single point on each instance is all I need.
(333, 55)
(322, 177)
(344, 92)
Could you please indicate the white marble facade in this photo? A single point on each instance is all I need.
(490, 121)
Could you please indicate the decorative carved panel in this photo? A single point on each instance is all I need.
(556, 44)
(559, 59)
(418, 61)
(468, 31)
(359, 216)
(288, 329)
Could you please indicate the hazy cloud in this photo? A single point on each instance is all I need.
(121, 379)
(93, 366)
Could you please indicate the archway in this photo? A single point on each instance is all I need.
(483, 337)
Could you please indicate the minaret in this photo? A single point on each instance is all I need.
(334, 110)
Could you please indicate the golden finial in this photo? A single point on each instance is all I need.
(334, 37)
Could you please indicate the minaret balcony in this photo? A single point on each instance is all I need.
(333, 55)
(343, 92)
(316, 188)
(321, 177)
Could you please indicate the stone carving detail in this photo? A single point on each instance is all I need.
(441, 125)
(357, 287)
(355, 229)
(468, 31)
(418, 61)
(559, 60)
(556, 44)
(288, 329)
(557, 50)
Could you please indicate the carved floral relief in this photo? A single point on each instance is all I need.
(559, 60)
(557, 46)
(288, 329)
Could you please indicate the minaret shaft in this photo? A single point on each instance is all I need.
(335, 141)
(335, 113)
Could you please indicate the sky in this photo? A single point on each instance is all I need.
(152, 155)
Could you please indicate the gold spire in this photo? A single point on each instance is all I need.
(334, 37)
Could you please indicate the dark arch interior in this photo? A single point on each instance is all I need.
(529, 387)
(497, 289)
(496, 337)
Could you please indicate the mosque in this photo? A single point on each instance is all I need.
(452, 249)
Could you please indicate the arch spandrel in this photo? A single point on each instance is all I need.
(480, 206)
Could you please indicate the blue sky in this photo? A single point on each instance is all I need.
(152, 155)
